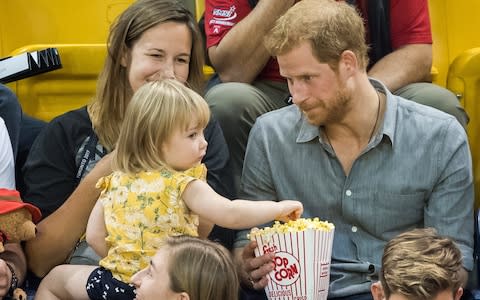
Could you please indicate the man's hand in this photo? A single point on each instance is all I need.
(253, 270)
(5, 278)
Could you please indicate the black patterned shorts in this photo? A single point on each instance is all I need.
(101, 285)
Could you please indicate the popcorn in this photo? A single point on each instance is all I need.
(303, 250)
(301, 224)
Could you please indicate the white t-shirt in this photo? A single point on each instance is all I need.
(7, 166)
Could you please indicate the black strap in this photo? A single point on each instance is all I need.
(379, 29)
(252, 3)
(378, 14)
(13, 282)
(88, 155)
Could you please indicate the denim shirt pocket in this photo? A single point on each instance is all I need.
(397, 212)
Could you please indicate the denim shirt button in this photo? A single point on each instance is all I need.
(354, 228)
(348, 193)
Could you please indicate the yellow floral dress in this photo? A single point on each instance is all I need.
(141, 210)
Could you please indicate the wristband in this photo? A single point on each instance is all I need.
(13, 281)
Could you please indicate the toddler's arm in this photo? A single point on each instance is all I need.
(96, 230)
(237, 214)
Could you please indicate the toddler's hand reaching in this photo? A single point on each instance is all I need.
(289, 210)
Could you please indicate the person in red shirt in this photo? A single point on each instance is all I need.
(251, 85)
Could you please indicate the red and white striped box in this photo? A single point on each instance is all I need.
(303, 250)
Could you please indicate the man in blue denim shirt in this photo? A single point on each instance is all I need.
(372, 163)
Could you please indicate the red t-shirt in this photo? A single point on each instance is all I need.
(409, 24)
(221, 16)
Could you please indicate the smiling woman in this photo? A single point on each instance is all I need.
(162, 52)
(151, 40)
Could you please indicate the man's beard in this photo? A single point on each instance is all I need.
(339, 108)
(333, 111)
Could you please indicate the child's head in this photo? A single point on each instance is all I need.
(188, 268)
(157, 112)
(420, 265)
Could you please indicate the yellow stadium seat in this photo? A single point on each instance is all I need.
(454, 28)
(27, 22)
(50, 94)
(456, 63)
(464, 80)
(78, 31)
(199, 8)
(440, 43)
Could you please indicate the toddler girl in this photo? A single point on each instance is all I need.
(157, 190)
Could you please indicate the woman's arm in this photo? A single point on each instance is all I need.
(237, 214)
(58, 234)
(97, 231)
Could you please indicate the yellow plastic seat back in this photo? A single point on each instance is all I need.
(455, 29)
(199, 8)
(456, 57)
(78, 30)
(53, 93)
(464, 80)
(27, 22)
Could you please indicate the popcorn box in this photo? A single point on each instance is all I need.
(303, 250)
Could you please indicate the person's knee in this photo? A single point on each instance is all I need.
(448, 102)
(437, 97)
(226, 100)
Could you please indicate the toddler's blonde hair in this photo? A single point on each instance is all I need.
(156, 110)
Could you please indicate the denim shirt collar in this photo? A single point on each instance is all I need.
(308, 132)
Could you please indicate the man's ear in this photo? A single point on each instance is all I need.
(348, 64)
(458, 293)
(377, 291)
(185, 296)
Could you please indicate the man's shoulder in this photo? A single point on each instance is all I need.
(422, 112)
(425, 119)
